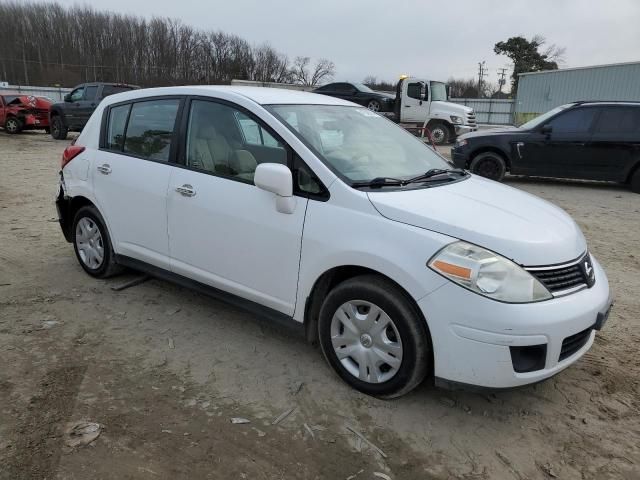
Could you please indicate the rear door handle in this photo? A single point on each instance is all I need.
(186, 190)
(105, 169)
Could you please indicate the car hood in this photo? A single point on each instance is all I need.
(492, 132)
(513, 223)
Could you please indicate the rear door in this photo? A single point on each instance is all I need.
(615, 143)
(131, 173)
(564, 151)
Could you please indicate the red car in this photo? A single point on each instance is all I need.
(23, 112)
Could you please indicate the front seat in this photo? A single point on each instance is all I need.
(243, 164)
(211, 150)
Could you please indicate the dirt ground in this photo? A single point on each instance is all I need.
(163, 370)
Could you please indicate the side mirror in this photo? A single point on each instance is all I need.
(546, 129)
(67, 97)
(277, 179)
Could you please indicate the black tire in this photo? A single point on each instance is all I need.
(108, 266)
(490, 165)
(411, 328)
(440, 133)
(59, 130)
(634, 182)
(13, 125)
(374, 105)
(47, 130)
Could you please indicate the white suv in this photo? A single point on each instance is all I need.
(316, 211)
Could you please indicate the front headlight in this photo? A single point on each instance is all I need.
(487, 273)
(456, 120)
(461, 142)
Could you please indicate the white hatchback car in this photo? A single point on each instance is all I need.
(313, 210)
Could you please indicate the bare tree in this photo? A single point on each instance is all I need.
(302, 74)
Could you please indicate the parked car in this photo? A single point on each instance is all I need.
(324, 215)
(360, 94)
(584, 140)
(72, 114)
(23, 112)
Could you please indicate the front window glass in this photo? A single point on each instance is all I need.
(540, 120)
(362, 87)
(438, 91)
(414, 90)
(150, 129)
(574, 121)
(90, 92)
(77, 94)
(359, 144)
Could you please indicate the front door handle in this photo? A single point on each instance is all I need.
(105, 169)
(186, 190)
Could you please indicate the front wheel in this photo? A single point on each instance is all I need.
(440, 133)
(489, 165)
(373, 105)
(92, 243)
(13, 125)
(373, 337)
(58, 129)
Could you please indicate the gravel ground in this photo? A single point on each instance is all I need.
(163, 370)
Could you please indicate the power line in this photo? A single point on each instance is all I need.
(502, 72)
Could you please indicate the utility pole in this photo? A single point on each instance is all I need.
(482, 72)
(502, 73)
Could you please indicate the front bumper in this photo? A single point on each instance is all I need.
(472, 335)
(459, 158)
(462, 129)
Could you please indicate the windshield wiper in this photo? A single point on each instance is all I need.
(380, 182)
(435, 172)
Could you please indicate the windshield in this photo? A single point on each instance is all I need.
(438, 91)
(362, 87)
(544, 117)
(358, 144)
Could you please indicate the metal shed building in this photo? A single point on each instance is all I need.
(539, 92)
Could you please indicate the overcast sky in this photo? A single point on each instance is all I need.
(434, 39)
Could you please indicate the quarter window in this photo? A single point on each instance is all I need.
(226, 141)
(573, 121)
(117, 124)
(150, 129)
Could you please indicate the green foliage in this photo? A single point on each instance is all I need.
(527, 57)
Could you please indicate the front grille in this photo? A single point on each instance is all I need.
(471, 119)
(572, 344)
(564, 277)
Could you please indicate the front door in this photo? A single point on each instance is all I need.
(223, 230)
(413, 108)
(560, 148)
(131, 177)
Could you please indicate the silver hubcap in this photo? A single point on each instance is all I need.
(12, 126)
(437, 134)
(373, 106)
(366, 341)
(89, 243)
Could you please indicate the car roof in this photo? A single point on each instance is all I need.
(260, 95)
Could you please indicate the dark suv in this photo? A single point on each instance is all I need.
(585, 140)
(72, 114)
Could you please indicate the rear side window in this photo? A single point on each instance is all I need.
(115, 128)
(578, 120)
(90, 92)
(112, 89)
(619, 120)
(150, 129)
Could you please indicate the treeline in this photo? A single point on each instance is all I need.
(48, 44)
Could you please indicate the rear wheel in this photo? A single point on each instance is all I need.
(58, 129)
(635, 181)
(490, 165)
(13, 125)
(440, 133)
(373, 105)
(92, 243)
(373, 337)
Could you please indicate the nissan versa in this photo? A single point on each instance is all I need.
(311, 209)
